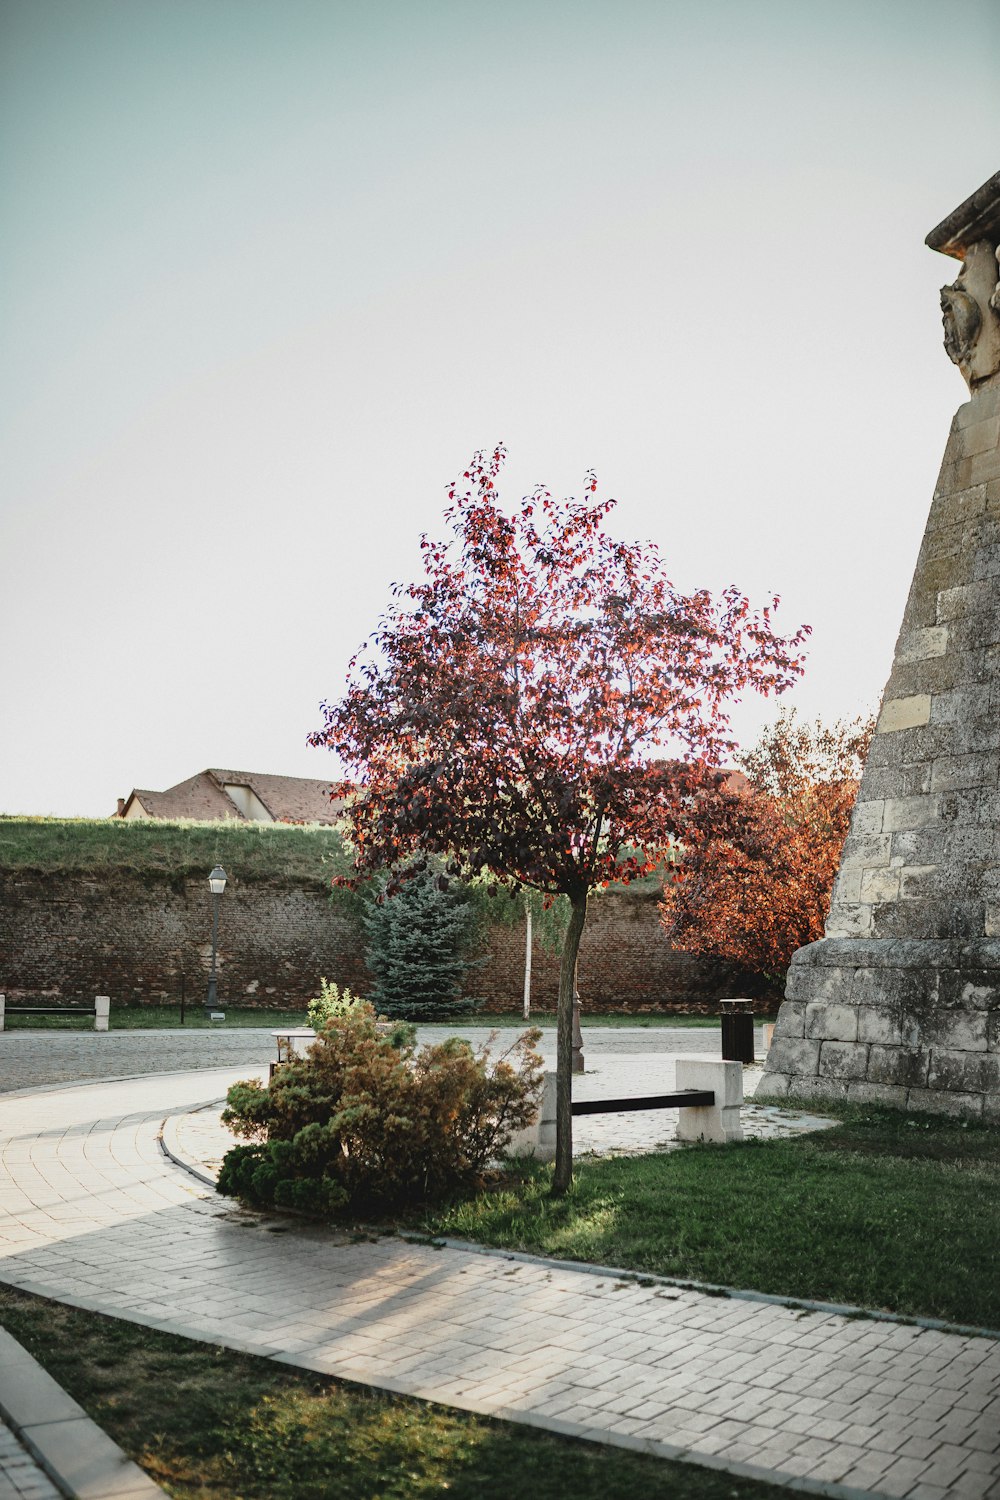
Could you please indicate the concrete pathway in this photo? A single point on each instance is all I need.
(92, 1213)
(33, 1057)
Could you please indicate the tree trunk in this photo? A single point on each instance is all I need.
(527, 960)
(563, 1175)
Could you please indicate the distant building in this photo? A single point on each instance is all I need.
(243, 796)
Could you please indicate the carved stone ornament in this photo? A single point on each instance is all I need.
(962, 321)
(971, 304)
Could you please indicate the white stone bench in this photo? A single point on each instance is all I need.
(100, 1010)
(698, 1073)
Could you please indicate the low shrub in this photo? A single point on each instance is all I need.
(367, 1122)
(331, 1004)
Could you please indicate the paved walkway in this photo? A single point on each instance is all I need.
(32, 1057)
(806, 1398)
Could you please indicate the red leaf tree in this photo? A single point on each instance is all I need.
(759, 861)
(542, 705)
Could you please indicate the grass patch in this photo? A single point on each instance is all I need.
(208, 1424)
(161, 1017)
(181, 850)
(886, 1211)
(168, 1018)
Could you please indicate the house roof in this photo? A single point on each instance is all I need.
(288, 799)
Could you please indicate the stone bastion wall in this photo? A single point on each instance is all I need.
(138, 939)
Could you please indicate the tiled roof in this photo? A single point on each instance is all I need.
(288, 799)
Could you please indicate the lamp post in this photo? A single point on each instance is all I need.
(216, 884)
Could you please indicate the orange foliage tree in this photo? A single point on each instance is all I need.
(753, 882)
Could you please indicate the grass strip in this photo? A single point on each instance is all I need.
(209, 1424)
(888, 1211)
(168, 1018)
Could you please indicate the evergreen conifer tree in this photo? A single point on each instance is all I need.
(418, 941)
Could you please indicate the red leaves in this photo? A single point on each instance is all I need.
(512, 706)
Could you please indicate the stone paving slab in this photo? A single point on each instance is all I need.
(92, 1213)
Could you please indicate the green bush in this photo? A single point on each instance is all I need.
(331, 1004)
(361, 1124)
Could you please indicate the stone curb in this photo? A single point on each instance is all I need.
(79, 1458)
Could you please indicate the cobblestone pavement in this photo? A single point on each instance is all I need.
(91, 1212)
(31, 1058)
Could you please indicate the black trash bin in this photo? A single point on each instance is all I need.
(737, 1030)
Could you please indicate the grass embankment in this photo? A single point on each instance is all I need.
(180, 851)
(886, 1211)
(208, 1424)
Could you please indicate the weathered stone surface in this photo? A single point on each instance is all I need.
(963, 1072)
(843, 1060)
(900, 1065)
(877, 1093)
(833, 1022)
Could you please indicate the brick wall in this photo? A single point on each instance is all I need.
(134, 938)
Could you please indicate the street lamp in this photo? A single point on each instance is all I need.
(216, 884)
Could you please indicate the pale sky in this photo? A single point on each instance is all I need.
(274, 269)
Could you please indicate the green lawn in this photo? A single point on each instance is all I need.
(175, 850)
(886, 1211)
(208, 1424)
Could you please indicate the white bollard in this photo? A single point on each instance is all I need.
(718, 1122)
(539, 1138)
(102, 1009)
(3, 1004)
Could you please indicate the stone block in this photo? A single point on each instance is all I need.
(960, 990)
(539, 1138)
(867, 817)
(955, 1030)
(958, 507)
(904, 713)
(901, 813)
(993, 1031)
(796, 1056)
(791, 1017)
(919, 881)
(818, 1088)
(879, 885)
(863, 1092)
(957, 706)
(991, 1109)
(849, 920)
(865, 851)
(843, 1060)
(831, 1022)
(939, 1102)
(718, 1122)
(772, 1086)
(879, 1025)
(900, 1065)
(896, 781)
(981, 437)
(847, 887)
(917, 847)
(964, 1072)
(922, 645)
(982, 732)
(955, 772)
(984, 466)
